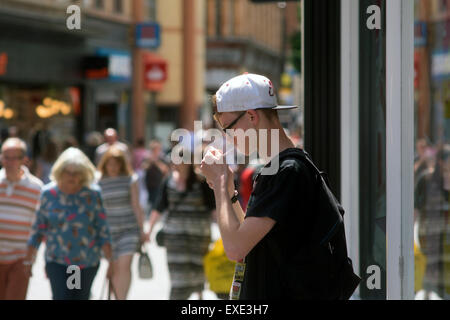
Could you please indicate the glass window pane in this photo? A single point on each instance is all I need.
(372, 155)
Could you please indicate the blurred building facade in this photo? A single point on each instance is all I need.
(180, 101)
(237, 41)
(243, 36)
(68, 82)
(72, 82)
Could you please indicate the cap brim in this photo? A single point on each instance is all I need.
(284, 107)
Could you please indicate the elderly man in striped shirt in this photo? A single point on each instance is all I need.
(19, 198)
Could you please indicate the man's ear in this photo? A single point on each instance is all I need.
(253, 116)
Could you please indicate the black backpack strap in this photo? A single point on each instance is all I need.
(321, 183)
(306, 159)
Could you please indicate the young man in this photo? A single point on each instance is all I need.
(19, 198)
(278, 213)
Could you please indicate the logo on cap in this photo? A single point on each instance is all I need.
(271, 93)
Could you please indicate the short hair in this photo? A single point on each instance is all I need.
(115, 153)
(15, 143)
(269, 113)
(110, 132)
(74, 157)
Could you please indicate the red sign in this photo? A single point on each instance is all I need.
(3, 63)
(155, 72)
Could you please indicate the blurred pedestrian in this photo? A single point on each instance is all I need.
(70, 142)
(120, 193)
(110, 138)
(19, 199)
(13, 132)
(431, 202)
(93, 140)
(246, 178)
(140, 153)
(46, 160)
(156, 169)
(39, 138)
(422, 161)
(72, 219)
(189, 203)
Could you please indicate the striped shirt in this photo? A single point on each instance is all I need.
(116, 195)
(18, 203)
(187, 234)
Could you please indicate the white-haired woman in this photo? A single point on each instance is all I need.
(73, 221)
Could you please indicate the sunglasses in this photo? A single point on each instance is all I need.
(231, 124)
(13, 158)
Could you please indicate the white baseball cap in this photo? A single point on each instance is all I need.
(247, 92)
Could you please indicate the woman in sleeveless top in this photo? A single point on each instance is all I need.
(120, 193)
(190, 202)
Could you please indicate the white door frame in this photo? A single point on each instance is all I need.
(350, 127)
(399, 148)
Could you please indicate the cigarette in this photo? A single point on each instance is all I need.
(226, 153)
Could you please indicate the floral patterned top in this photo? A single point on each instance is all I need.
(74, 225)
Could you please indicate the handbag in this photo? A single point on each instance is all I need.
(145, 268)
(159, 237)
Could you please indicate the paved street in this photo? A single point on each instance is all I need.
(156, 288)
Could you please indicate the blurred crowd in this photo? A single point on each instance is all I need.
(90, 203)
(432, 220)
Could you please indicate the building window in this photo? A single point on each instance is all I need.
(151, 4)
(231, 10)
(218, 13)
(118, 6)
(99, 4)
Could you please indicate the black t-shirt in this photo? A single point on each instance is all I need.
(285, 197)
(154, 176)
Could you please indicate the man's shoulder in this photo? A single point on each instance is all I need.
(121, 144)
(292, 167)
(101, 148)
(34, 182)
